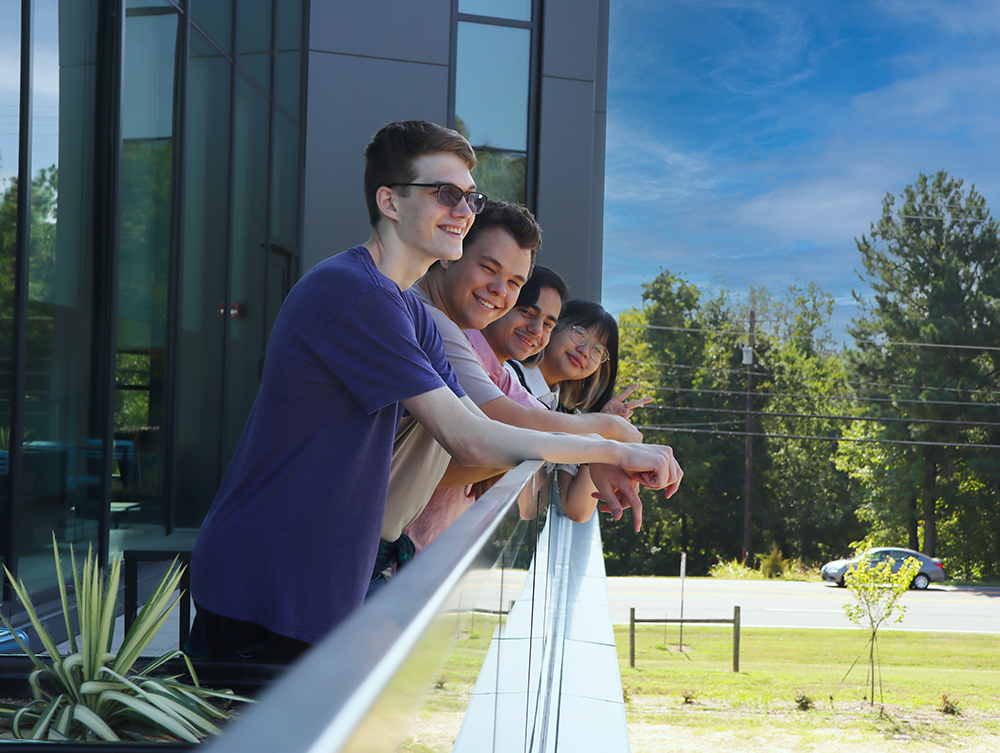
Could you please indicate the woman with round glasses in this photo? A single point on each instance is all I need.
(578, 368)
(576, 373)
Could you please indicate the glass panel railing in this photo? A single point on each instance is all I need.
(419, 645)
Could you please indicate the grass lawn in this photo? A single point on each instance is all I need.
(691, 700)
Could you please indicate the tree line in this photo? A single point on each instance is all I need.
(889, 439)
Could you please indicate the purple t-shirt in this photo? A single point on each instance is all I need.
(291, 538)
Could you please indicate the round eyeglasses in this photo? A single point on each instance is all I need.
(580, 336)
(449, 195)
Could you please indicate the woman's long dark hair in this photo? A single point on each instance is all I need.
(592, 393)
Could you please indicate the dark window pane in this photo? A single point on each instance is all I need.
(288, 25)
(57, 493)
(285, 183)
(10, 109)
(249, 258)
(518, 10)
(288, 56)
(148, 70)
(215, 17)
(206, 239)
(501, 175)
(146, 241)
(287, 81)
(493, 110)
(253, 40)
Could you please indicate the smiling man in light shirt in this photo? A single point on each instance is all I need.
(464, 296)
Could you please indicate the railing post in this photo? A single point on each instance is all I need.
(736, 639)
(631, 637)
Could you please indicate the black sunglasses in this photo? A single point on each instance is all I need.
(449, 195)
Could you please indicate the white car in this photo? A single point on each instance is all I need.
(931, 568)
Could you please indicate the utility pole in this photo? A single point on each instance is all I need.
(748, 471)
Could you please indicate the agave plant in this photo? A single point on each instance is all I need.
(94, 694)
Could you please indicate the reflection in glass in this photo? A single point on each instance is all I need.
(202, 334)
(249, 255)
(147, 169)
(501, 175)
(215, 17)
(285, 182)
(57, 490)
(476, 614)
(253, 40)
(493, 109)
(518, 10)
(10, 116)
(288, 56)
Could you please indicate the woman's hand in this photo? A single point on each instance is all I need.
(621, 406)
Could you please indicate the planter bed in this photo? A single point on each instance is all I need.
(243, 678)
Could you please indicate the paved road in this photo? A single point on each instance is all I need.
(798, 605)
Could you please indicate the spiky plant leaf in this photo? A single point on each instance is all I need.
(31, 712)
(22, 595)
(38, 732)
(88, 694)
(94, 723)
(149, 712)
(192, 717)
(63, 597)
(60, 730)
(150, 619)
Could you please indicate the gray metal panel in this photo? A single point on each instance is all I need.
(566, 184)
(571, 39)
(596, 257)
(600, 149)
(349, 99)
(391, 29)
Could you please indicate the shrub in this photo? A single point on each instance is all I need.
(949, 706)
(733, 569)
(804, 702)
(773, 564)
(94, 694)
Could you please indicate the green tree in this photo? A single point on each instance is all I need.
(923, 338)
(44, 207)
(684, 350)
(663, 346)
(877, 586)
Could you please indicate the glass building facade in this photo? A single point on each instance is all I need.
(496, 90)
(150, 223)
(165, 179)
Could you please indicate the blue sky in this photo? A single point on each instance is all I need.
(751, 141)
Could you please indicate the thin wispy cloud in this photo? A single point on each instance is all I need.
(754, 141)
(961, 17)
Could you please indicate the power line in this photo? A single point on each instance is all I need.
(742, 333)
(900, 401)
(778, 375)
(720, 432)
(833, 417)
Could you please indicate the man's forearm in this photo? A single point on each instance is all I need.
(459, 475)
(507, 411)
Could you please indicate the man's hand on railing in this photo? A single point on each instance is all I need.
(653, 466)
(616, 490)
